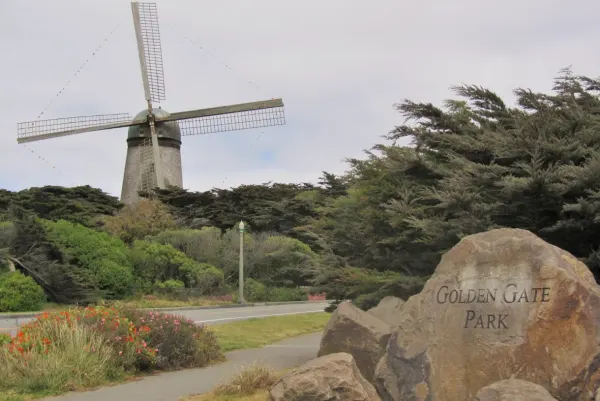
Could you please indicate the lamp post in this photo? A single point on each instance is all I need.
(241, 280)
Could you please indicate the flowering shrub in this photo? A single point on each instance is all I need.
(140, 340)
(179, 342)
(85, 347)
(128, 342)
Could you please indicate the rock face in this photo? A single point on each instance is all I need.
(357, 333)
(513, 390)
(500, 304)
(334, 377)
(388, 310)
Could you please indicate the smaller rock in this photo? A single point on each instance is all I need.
(389, 310)
(334, 377)
(513, 390)
(357, 333)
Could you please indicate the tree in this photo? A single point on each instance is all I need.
(475, 164)
(82, 204)
(137, 221)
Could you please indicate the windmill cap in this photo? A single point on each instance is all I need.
(167, 130)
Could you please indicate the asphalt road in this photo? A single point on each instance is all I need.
(211, 316)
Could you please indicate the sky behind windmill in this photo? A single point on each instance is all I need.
(338, 64)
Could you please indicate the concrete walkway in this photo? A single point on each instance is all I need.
(172, 386)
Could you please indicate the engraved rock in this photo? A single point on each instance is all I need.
(513, 390)
(357, 333)
(500, 304)
(334, 377)
(389, 310)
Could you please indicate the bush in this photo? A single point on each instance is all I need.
(136, 222)
(255, 291)
(153, 262)
(106, 339)
(19, 293)
(283, 262)
(170, 284)
(281, 294)
(203, 246)
(5, 339)
(105, 259)
(365, 287)
(272, 259)
(203, 276)
(179, 342)
(50, 356)
(128, 343)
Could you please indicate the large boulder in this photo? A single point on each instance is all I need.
(500, 304)
(334, 377)
(357, 333)
(388, 310)
(513, 390)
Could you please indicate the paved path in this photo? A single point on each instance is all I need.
(212, 316)
(173, 385)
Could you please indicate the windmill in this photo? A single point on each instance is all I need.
(154, 135)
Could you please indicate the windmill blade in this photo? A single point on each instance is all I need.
(236, 117)
(145, 20)
(45, 129)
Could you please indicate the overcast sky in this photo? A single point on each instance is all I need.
(339, 65)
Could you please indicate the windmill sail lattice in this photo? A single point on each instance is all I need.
(154, 136)
(148, 34)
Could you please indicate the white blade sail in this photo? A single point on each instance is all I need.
(236, 117)
(45, 129)
(145, 19)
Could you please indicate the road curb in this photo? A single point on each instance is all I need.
(26, 315)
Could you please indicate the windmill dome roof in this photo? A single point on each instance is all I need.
(167, 130)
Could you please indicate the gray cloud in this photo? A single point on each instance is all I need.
(339, 65)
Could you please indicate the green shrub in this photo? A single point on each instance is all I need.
(203, 276)
(170, 284)
(284, 262)
(7, 234)
(203, 246)
(153, 262)
(105, 258)
(4, 339)
(255, 291)
(281, 294)
(19, 293)
(272, 259)
(137, 221)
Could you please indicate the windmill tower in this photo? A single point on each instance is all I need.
(154, 135)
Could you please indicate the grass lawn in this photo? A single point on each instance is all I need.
(142, 303)
(148, 303)
(255, 333)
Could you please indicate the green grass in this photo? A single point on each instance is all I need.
(139, 303)
(155, 302)
(255, 333)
